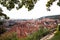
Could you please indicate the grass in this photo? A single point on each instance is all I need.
(56, 36)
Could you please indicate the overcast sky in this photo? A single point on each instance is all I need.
(38, 11)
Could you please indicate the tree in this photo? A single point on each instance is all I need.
(10, 4)
(2, 17)
(50, 2)
(29, 4)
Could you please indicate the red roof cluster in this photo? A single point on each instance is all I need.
(24, 28)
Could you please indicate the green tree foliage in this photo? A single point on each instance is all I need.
(2, 29)
(2, 14)
(50, 2)
(10, 4)
(29, 4)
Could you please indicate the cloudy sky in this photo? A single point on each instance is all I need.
(38, 11)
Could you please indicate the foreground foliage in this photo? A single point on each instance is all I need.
(50, 2)
(56, 36)
(9, 36)
(10, 4)
(29, 4)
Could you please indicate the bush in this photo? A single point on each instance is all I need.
(9, 36)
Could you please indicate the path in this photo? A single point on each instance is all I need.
(49, 36)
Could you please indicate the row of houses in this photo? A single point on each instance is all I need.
(25, 28)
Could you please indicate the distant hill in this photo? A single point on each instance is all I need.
(51, 17)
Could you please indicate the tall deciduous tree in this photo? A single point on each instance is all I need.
(50, 2)
(29, 4)
(10, 4)
(2, 16)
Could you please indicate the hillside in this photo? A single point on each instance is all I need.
(51, 17)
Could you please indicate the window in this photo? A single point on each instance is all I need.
(46, 23)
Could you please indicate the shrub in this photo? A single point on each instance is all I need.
(9, 36)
